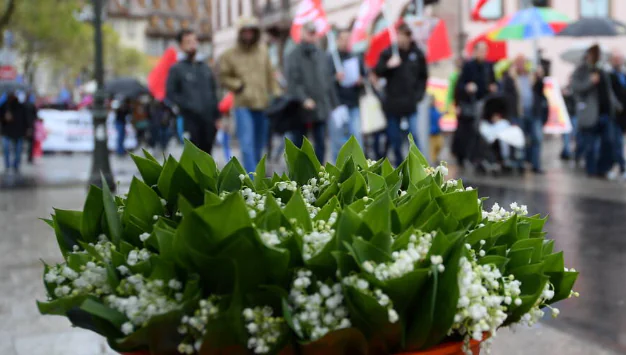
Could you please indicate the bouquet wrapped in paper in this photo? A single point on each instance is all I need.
(353, 258)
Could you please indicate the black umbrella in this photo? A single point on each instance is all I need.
(594, 27)
(12, 86)
(126, 87)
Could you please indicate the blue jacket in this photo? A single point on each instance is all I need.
(435, 117)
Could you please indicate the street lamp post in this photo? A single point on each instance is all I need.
(101, 167)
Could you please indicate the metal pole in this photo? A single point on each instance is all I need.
(461, 24)
(100, 164)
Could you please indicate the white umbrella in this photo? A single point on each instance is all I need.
(575, 54)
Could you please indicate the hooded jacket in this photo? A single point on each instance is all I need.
(246, 70)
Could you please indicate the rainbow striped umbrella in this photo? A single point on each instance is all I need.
(531, 23)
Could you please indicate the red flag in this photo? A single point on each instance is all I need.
(227, 103)
(438, 44)
(496, 50)
(367, 14)
(476, 10)
(310, 10)
(158, 76)
(378, 44)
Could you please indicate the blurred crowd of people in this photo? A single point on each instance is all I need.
(313, 94)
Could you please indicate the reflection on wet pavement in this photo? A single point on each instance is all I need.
(592, 233)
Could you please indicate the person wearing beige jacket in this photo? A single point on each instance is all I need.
(247, 71)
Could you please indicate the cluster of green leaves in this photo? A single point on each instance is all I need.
(205, 236)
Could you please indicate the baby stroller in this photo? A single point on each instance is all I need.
(500, 144)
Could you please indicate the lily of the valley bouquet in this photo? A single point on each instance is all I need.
(347, 259)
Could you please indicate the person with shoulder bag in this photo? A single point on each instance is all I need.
(476, 81)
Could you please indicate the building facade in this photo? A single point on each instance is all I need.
(150, 26)
(277, 14)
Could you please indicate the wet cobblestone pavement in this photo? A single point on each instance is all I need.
(587, 220)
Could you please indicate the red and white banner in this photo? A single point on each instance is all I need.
(476, 10)
(368, 12)
(310, 11)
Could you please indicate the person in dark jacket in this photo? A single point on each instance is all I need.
(597, 107)
(32, 116)
(618, 83)
(123, 111)
(191, 88)
(475, 82)
(14, 126)
(348, 93)
(309, 79)
(406, 75)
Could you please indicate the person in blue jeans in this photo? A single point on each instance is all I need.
(14, 125)
(348, 93)
(533, 107)
(121, 118)
(618, 83)
(407, 74)
(246, 70)
(598, 106)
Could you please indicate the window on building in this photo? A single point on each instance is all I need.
(492, 10)
(595, 8)
(538, 3)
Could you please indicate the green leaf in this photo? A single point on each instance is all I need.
(183, 184)
(142, 203)
(226, 218)
(505, 232)
(377, 216)
(94, 307)
(435, 312)
(415, 168)
(296, 209)
(167, 174)
(205, 182)
(327, 210)
(351, 150)
(536, 223)
(110, 213)
(548, 247)
(554, 263)
(309, 151)
(191, 156)
(150, 170)
(414, 150)
(460, 205)
(409, 211)
(375, 182)
(347, 225)
(67, 229)
(366, 251)
(301, 168)
(259, 177)
(478, 234)
(520, 258)
(535, 244)
(229, 179)
(345, 263)
(563, 283)
(93, 209)
(404, 290)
